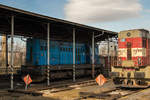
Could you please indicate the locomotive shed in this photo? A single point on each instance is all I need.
(16, 22)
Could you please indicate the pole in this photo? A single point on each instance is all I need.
(74, 67)
(12, 42)
(48, 56)
(108, 57)
(93, 66)
(6, 53)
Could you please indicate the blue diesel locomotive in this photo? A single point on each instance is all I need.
(61, 59)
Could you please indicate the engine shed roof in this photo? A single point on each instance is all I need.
(31, 24)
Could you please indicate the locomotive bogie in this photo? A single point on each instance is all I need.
(131, 76)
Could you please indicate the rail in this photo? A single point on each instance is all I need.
(113, 94)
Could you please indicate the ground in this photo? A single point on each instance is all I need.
(74, 94)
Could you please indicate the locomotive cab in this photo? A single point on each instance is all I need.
(133, 64)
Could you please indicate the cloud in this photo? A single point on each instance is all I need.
(93, 11)
(147, 10)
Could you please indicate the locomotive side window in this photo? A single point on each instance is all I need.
(144, 43)
(129, 53)
(69, 49)
(61, 49)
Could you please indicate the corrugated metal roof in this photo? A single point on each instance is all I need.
(8, 11)
(51, 18)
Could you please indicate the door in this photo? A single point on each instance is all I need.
(129, 52)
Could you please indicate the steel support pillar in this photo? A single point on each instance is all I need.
(108, 57)
(48, 54)
(74, 46)
(6, 54)
(93, 54)
(12, 59)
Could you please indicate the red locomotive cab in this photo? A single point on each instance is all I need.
(133, 48)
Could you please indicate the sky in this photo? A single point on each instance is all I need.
(114, 15)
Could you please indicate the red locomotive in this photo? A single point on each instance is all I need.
(133, 64)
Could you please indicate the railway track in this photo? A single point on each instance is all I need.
(35, 91)
(114, 94)
(69, 86)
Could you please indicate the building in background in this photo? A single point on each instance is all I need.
(107, 59)
(19, 52)
(103, 49)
